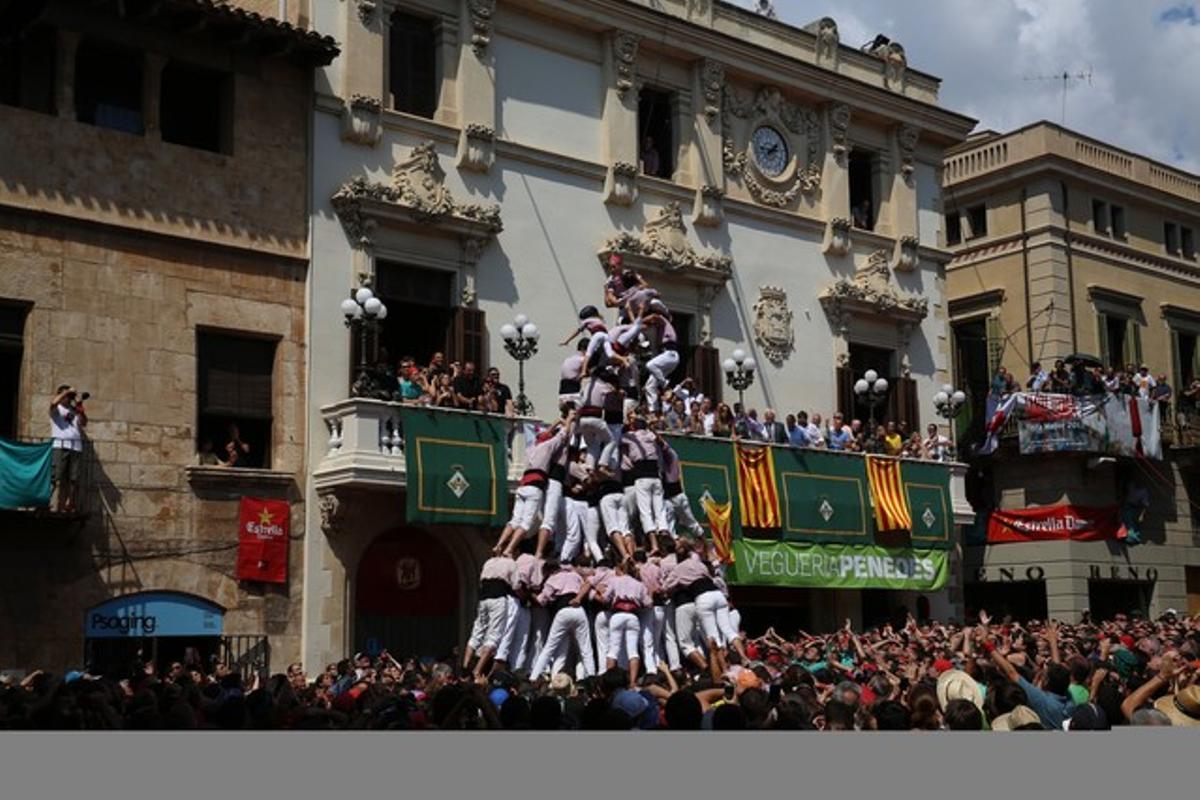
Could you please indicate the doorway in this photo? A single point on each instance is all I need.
(1019, 600)
(1106, 599)
(971, 371)
(406, 596)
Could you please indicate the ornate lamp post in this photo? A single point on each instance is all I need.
(872, 390)
(364, 311)
(739, 374)
(947, 403)
(521, 342)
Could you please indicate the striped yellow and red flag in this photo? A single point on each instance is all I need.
(756, 486)
(887, 494)
(720, 520)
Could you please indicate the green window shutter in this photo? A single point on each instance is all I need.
(1133, 342)
(1102, 326)
(995, 344)
(1176, 365)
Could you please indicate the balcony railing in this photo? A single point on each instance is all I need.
(86, 498)
(365, 448)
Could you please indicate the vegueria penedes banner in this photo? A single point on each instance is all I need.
(836, 566)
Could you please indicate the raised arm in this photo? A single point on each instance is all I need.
(1052, 638)
(1143, 693)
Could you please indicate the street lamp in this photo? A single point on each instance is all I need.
(872, 390)
(947, 403)
(364, 311)
(521, 342)
(739, 374)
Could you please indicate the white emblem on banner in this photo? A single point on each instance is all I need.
(458, 483)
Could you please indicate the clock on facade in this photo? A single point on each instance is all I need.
(770, 151)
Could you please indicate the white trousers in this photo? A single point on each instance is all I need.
(596, 435)
(624, 636)
(576, 521)
(653, 621)
(735, 621)
(526, 508)
(679, 513)
(570, 623)
(670, 642)
(659, 367)
(490, 619)
(610, 455)
(539, 628)
(650, 505)
(600, 627)
(685, 629)
(612, 513)
(516, 634)
(710, 608)
(553, 508)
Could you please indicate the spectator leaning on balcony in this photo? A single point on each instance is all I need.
(1038, 378)
(773, 431)
(467, 387)
(67, 421)
(1144, 382)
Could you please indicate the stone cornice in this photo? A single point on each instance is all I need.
(663, 247)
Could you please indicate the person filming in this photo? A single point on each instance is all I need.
(67, 421)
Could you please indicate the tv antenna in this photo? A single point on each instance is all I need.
(1066, 77)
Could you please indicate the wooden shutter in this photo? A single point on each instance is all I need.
(1102, 338)
(995, 344)
(910, 409)
(235, 375)
(466, 340)
(845, 393)
(1133, 342)
(705, 370)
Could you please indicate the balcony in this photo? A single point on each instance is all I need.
(52, 526)
(365, 449)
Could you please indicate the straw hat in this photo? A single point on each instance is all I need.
(1019, 717)
(954, 684)
(1183, 707)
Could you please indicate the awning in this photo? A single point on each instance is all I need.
(154, 614)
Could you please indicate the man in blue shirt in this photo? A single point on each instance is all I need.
(797, 436)
(1052, 700)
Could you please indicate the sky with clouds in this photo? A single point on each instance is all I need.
(1143, 55)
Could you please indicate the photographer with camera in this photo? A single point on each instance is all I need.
(67, 421)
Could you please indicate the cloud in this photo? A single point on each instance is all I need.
(1131, 65)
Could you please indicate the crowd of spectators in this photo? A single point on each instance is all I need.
(1081, 376)
(998, 675)
(450, 385)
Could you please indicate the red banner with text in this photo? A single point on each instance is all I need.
(1051, 523)
(263, 540)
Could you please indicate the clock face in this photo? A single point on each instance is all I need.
(770, 151)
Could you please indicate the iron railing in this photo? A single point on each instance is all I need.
(246, 653)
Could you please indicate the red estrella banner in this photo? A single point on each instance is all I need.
(263, 540)
(1081, 523)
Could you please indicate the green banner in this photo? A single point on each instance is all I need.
(25, 474)
(836, 566)
(824, 497)
(927, 486)
(708, 466)
(457, 468)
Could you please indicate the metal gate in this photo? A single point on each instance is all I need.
(246, 653)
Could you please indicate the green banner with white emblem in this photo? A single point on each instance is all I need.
(824, 496)
(927, 487)
(457, 468)
(708, 467)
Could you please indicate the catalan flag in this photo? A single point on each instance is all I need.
(887, 494)
(756, 486)
(720, 518)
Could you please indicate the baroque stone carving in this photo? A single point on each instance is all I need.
(828, 42)
(417, 188)
(481, 24)
(625, 49)
(906, 140)
(906, 254)
(870, 292)
(709, 206)
(360, 120)
(333, 512)
(664, 244)
(767, 107)
(366, 11)
(773, 324)
(837, 237)
(476, 147)
(895, 65)
(620, 185)
(839, 131)
(712, 81)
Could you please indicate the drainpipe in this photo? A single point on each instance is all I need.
(1025, 271)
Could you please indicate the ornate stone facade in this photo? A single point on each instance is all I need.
(769, 107)
(625, 50)
(481, 12)
(664, 244)
(828, 43)
(773, 324)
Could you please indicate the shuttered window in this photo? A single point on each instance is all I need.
(234, 386)
(705, 370)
